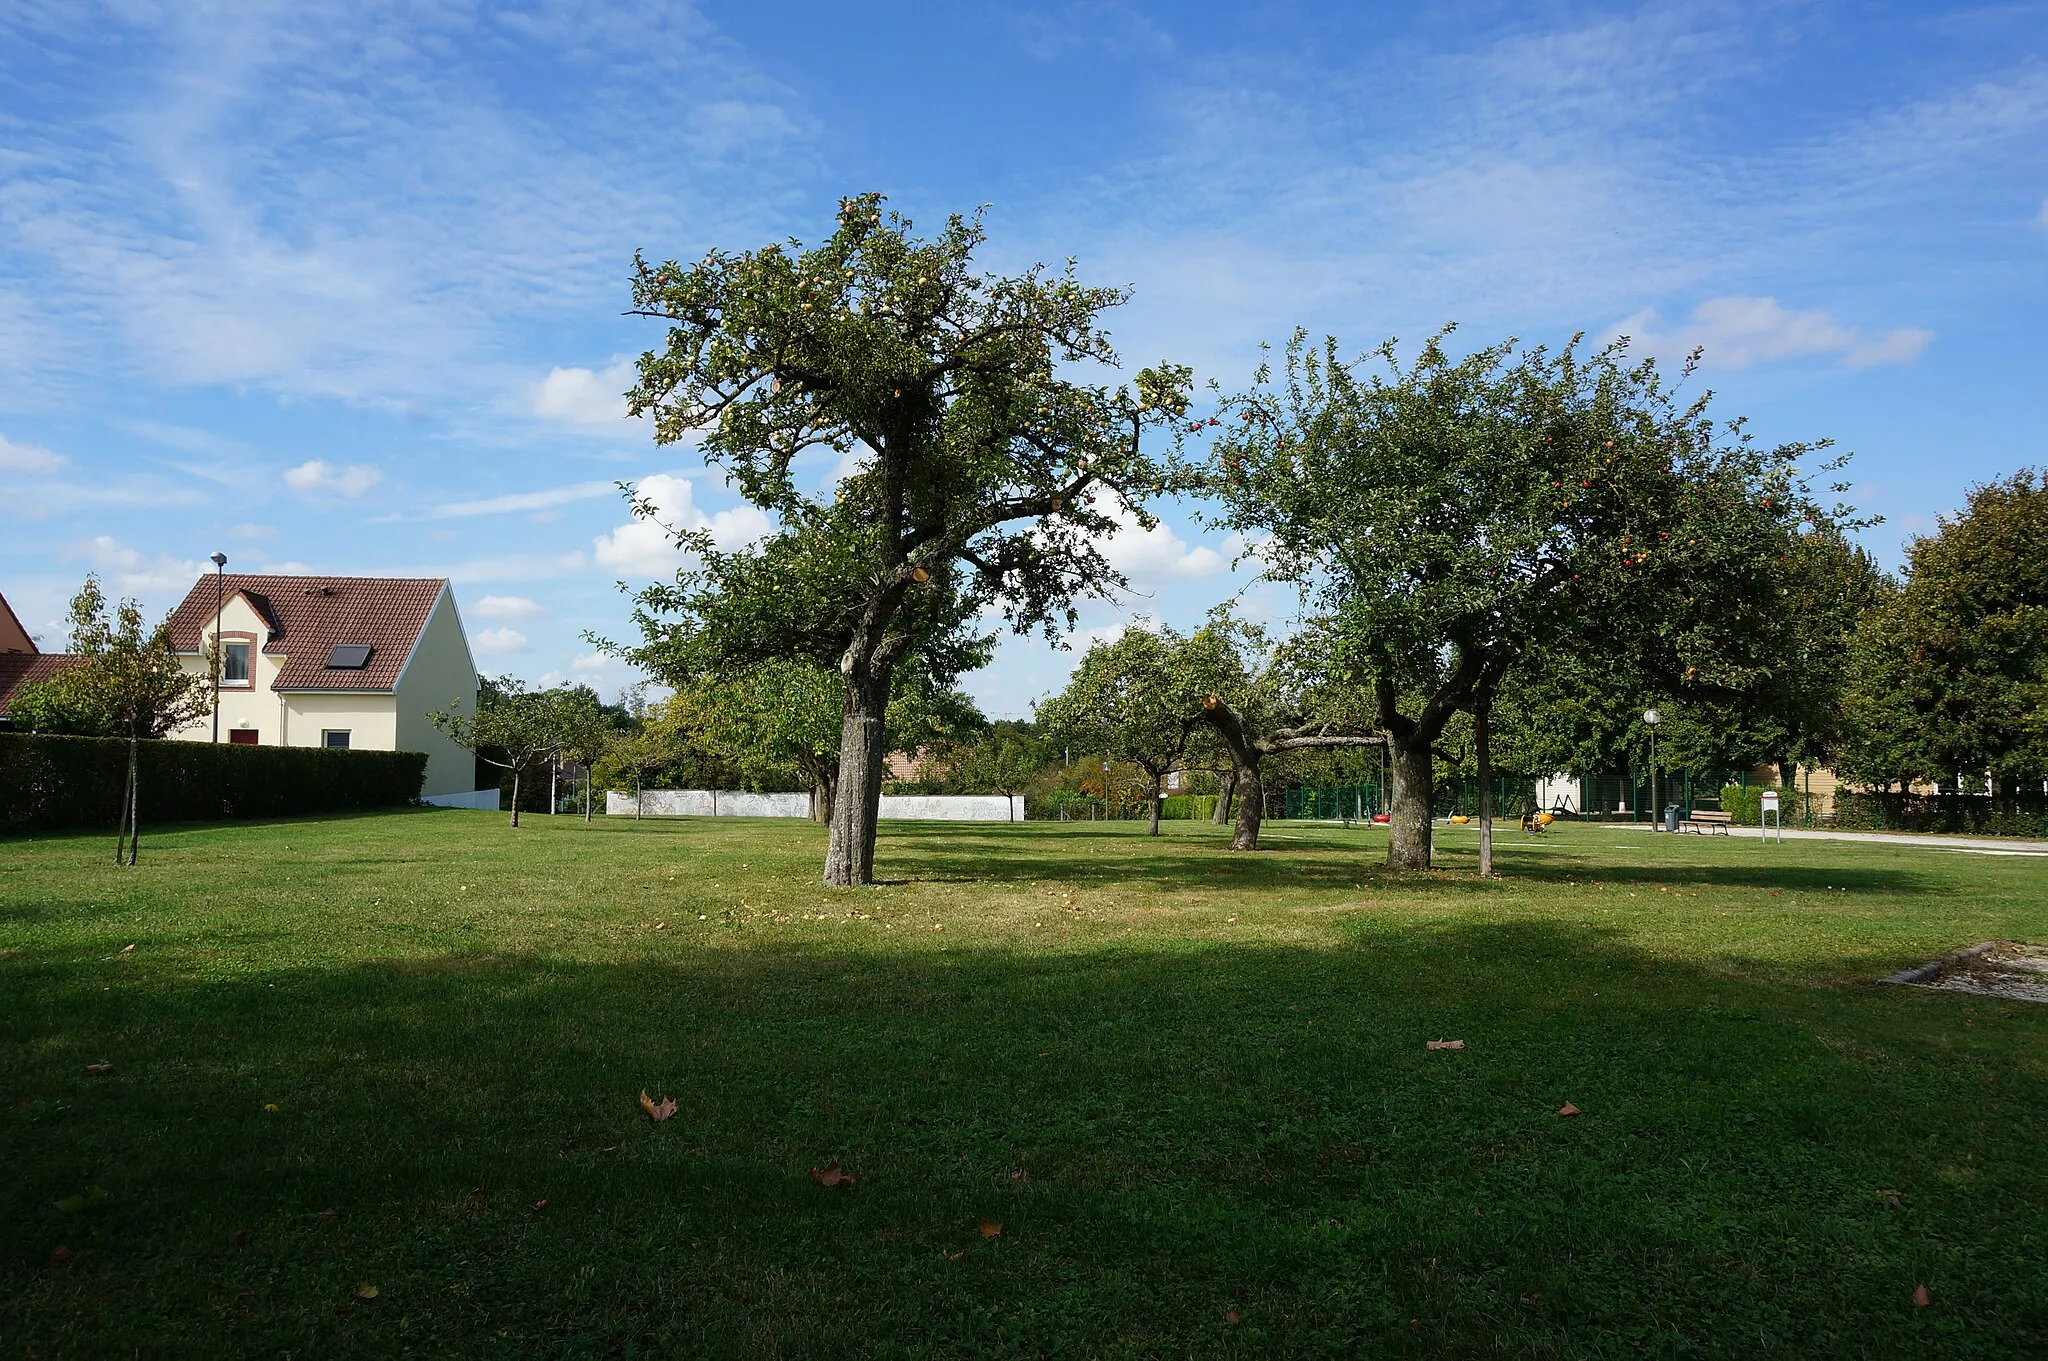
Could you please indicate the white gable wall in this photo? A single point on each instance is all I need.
(439, 675)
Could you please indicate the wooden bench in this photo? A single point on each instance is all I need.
(1704, 820)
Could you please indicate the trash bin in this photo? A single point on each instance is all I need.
(1670, 817)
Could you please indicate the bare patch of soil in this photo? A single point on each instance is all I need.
(1994, 968)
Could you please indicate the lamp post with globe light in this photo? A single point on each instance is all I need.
(220, 562)
(1651, 718)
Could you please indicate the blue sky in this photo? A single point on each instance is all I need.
(336, 287)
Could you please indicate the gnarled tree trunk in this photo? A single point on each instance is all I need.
(1154, 829)
(1226, 788)
(1408, 831)
(1482, 714)
(863, 745)
(1251, 806)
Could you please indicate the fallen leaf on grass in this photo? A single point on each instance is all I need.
(1020, 1175)
(98, 1069)
(270, 1106)
(1893, 1198)
(366, 1291)
(1531, 1296)
(1920, 1296)
(1443, 1044)
(241, 1238)
(991, 1228)
(661, 926)
(1567, 1109)
(1230, 1318)
(655, 1112)
(126, 950)
(954, 1256)
(830, 1175)
(540, 1204)
(59, 1255)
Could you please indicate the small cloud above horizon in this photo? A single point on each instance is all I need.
(594, 398)
(318, 476)
(501, 640)
(509, 607)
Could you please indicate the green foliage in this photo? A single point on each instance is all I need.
(1459, 516)
(1951, 814)
(54, 781)
(1187, 807)
(1950, 676)
(1128, 699)
(1010, 758)
(129, 683)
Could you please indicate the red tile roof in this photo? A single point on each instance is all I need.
(309, 616)
(30, 668)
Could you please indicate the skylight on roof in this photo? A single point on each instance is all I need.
(349, 656)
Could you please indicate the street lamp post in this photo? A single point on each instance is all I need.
(220, 562)
(1651, 718)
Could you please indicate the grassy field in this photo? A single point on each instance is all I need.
(406, 1052)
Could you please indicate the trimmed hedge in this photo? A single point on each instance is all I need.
(1187, 807)
(1745, 805)
(1955, 814)
(76, 781)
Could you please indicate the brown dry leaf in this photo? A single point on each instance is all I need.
(59, 1255)
(1443, 1044)
(1531, 1296)
(657, 1113)
(1230, 1318)
(1020, 1174)
(1893, 1198)
(991, 1228)
(540, 1204)
(956, 1256)
(1567, 1109)
(1920, 1296)
(126, 950)
(661, 926)
(98, 1069)
(241, 1239)
(366, 1291)
(831, 1175)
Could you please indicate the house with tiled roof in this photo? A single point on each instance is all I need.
(21, 661)
(333, 662)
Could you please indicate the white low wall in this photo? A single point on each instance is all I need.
(709, 803)
(953, 807)
(725, 803)
(482, 798)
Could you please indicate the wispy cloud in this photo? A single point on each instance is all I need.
(526, 500)
(130, 570)
(501, 640)
(1735, 333)
(509, 607)
(591, 398)
(30, 459)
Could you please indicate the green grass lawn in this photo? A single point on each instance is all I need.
(406, 1051)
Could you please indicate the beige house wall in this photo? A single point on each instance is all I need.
(440, 675)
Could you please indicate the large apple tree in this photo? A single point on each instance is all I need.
(980, 473)
(1455, 517)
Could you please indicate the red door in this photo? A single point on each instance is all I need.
(242, 737)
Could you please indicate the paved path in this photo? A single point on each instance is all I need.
(1982, 845)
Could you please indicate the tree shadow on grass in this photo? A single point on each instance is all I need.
(1224, 1128)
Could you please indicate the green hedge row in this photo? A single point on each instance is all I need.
(1189, 807)
(77, 781)
(1955, 814)
(1745, 805)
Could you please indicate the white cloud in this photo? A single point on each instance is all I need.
(501, 640)
(507, 607)
(127, 570)
(520, 567)
(590, 661)
(1736, 332)
(526, 500)
(250, 532)
(586, 397)
(318, 475)
(644, 548)
(32, 459)
(1157, 554)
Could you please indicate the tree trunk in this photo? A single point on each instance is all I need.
(1482, 714)
(1226, 786)
(1409, 829)
(515, 796)
(1251, 806)
(1154, 830)
(824, 787)
(856, 803)
(586, 795)
(125, 829)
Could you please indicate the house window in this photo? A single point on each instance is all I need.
(334, 737)
(242, 737)
(234, 663)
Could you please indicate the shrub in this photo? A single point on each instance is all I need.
(1187, 807)
(48, 781)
